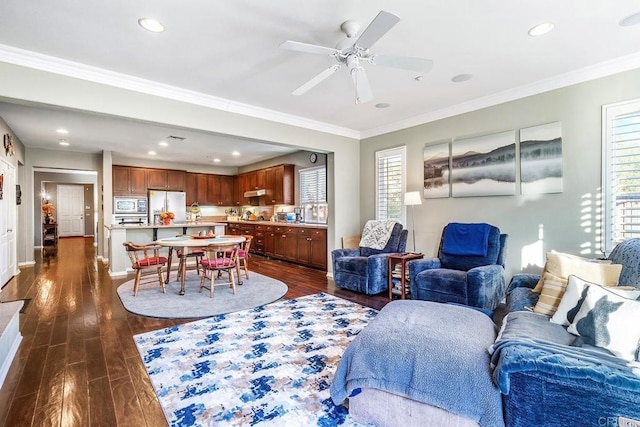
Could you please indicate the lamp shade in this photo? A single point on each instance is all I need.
(412, 198)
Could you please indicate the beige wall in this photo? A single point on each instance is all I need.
(28, 85)
(565, 222)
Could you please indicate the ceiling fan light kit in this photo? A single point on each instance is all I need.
(354, 54)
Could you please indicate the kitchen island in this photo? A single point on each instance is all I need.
(116, 235)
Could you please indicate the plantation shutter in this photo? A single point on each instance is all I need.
(313, 185)
(390, 184)
(622, 154)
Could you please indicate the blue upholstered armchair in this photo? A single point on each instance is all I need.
(366, 270)
(459, 275)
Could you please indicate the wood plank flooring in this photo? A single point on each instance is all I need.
(77, 364)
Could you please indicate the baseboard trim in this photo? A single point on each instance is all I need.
(27, 264)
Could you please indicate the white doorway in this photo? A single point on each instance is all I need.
(70, 210)
(7, 222)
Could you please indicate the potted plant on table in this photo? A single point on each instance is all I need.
(166, 217)
(47, 211)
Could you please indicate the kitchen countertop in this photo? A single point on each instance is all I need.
(280, 223)
(175, 225)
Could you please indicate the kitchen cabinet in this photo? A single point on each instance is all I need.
(285, 242)
(166, 179)
(312, 247)
(220, 190)
(129, 181)
(233, 229)
(202, 189)
(279, 183)
(191, 188)
(240, 186)
(259, 238)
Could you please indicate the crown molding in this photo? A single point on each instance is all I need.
(38, 61)
(592, 72)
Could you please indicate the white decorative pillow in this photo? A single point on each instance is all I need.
(609, 321)
(575, 293)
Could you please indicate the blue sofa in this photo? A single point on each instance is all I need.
(472, 280)
(366, 270)
(546, 379)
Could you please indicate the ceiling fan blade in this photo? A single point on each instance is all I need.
(404, 62)
(317, 79)
(307, 48)
(382, 23)
(363, 87)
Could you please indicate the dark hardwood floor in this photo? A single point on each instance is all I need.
(77, 364)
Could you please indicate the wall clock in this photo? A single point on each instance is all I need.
(313, 157)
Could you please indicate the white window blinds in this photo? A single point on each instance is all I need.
(621, 170)
(390, 183)
(313, 185)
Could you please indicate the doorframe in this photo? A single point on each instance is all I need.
(41, 175)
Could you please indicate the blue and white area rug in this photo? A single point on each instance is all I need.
(268, 366)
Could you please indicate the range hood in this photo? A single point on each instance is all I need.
(255, 193)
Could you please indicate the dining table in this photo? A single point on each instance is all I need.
(190, 242)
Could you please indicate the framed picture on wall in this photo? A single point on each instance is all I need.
(436, 170)
(1, 185)
(541, 159)
(484, 165)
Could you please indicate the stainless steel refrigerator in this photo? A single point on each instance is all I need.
(167, 201)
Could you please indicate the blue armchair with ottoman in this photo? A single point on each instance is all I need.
(469, 269)
(365, 269)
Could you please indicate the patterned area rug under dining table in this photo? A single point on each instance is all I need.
(267, 366)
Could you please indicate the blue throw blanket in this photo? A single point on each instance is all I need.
(466, 239)
(433, 353)
(529, 342)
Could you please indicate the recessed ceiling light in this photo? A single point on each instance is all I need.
(216, 160)
(62, 131)
(163, 144)
(461, 78)
(541, 29)
(152, 153)
(383, 105)
(630, 20)
(63, 142)
(236, 153)
(151, 24)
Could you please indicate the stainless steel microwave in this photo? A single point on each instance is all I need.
(130, 205)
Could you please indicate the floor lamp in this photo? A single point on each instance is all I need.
(412, 198)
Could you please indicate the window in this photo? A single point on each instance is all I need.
(313, 194)
(390, 183)
(621, 172)
(313, 185)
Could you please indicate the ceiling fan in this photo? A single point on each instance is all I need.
(354, 54)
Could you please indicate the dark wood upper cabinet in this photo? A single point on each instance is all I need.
(191, 188)
(129, 181)
(165, 179)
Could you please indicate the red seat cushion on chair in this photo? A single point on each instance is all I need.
(146, 262)
(242, 253)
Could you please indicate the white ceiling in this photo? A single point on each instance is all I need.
(229, 50)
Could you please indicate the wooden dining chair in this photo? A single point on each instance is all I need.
(243, 256)
(145, 257)
(217, 259)
(195, 253)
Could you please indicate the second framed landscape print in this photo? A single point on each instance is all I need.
(484, 165)
(541, 159)
(436, 170)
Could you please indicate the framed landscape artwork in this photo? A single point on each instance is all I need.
(484, 165)
(541, 159)
(436, 170)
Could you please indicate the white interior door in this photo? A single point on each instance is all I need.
(70, 210)
(7, 222)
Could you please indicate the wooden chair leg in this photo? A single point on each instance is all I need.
(212, 285)
(169, 263)
(136, 282)
(203, 278)
(245, 263)
(161, 278)
(232, 280)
